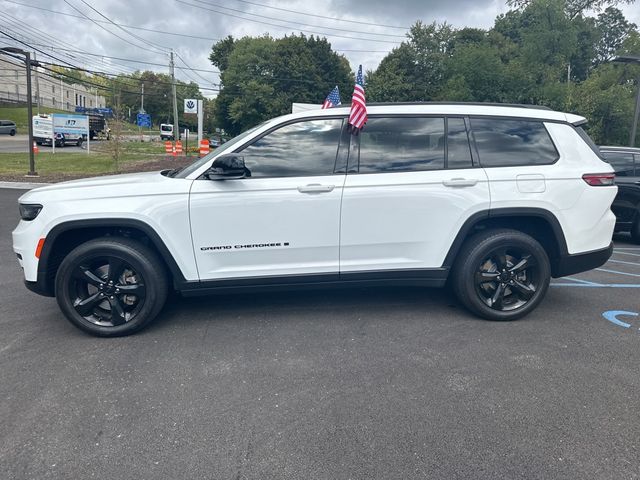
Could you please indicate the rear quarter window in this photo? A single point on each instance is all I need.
(509, 143)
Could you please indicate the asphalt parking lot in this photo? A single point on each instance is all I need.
(352, 384)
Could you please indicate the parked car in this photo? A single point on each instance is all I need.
(496, 198)
(626, 206)
(8, 127)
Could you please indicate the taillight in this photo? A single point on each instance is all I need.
(599, 179)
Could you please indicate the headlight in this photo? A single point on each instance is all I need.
(29, 212)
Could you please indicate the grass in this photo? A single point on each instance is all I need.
(18, 115)
(99, 161)
(67, 163)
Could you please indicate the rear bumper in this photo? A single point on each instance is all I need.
(39, 287)
(581, 262)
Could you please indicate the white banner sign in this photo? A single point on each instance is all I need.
(190, 105)
(71, 124)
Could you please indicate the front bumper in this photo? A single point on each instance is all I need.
(581, 262)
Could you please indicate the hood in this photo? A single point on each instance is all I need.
(131, 184)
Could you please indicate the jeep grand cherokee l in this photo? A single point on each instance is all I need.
(496, 198)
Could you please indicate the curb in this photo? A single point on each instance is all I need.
(22, 185)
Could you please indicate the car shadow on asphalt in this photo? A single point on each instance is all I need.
(316, 302)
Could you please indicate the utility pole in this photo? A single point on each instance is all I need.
(142, 99)
(37, 86)
(176, 127)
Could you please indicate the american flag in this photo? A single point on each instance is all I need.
(333, 99)
(358, 114)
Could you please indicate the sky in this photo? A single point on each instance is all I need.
(363, 30)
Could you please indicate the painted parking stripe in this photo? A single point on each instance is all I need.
(617, 272)
(627, 253)
(626, 263)
(596, 285)
(579, 280)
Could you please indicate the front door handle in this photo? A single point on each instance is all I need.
(316, 188)
(460, 182)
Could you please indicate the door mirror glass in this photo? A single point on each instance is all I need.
(227, 167)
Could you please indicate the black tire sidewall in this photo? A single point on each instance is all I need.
(476, 250)
(134, 254)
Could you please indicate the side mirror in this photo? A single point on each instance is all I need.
(227, 167)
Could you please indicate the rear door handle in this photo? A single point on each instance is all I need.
(460, 182)
(316, 188)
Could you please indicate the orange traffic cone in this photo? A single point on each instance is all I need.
(35, 148)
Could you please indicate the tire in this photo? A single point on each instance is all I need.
(491, 280)
(96, 306)
(79, 143)
(12, 133)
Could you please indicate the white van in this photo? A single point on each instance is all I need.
(166, 131)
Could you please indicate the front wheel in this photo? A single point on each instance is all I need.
(111, 286)
(12, 133)
(501, 274)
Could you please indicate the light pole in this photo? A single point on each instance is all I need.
(632, 59)
(27, 58)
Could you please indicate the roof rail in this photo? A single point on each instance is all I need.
(485, 104)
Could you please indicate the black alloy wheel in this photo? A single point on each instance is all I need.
(501, 274)
(108, 291)
(507, 278)
(111, 286)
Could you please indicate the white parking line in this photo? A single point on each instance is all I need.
(626, 263)
(597, 285)
(627, 253)
(617, 272)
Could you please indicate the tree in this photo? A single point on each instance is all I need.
(262, 77)
(613, 29)
(573, 8)
(416, 69)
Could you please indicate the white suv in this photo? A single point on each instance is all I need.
(496, 198)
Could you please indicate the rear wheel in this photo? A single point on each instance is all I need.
(501, 274)
(111, 286)
(12, 133)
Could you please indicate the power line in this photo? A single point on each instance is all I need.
(284, 27)
(25, 31)
(151, 44)
(164, 32)
(321, 16)
(107, 30)
(299, 23)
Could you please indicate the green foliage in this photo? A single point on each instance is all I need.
(263, 76)
(543, 52)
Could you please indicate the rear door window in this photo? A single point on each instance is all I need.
(510, 143)
(402, 144)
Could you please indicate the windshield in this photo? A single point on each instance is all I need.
(189, 169)
(166, 128)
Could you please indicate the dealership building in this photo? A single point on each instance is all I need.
(52, 92)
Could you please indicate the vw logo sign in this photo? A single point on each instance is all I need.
(190, 105)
